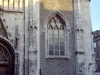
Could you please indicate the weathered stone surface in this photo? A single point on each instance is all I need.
(24, 22)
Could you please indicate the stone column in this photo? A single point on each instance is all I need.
(33, 36)
(83, 38)
(80, 60)
(88, 37)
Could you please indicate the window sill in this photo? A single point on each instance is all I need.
(65, 57)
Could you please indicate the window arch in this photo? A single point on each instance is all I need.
(56, 36)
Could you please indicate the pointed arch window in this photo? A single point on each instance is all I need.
(56, 36)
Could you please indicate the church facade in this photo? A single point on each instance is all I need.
(46, 37)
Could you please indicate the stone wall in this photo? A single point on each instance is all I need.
(24, 23)
(13, 23)
(85, 57)
(56, 66)
(19, 20)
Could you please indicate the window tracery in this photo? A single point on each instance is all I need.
(56, 32)
(3, 55)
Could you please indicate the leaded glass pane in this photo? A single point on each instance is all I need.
(62, 46)
(57, 47)
(56, 52)
(56, 42)
(50, 52)
(56, 39)
(62, 52)
(50, 31)
(55, 31)
(50, 45)
(61, 38)
(50, 36)
(61, 32)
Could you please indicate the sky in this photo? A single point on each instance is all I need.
(95, 14)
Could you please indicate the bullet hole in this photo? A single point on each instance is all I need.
(35, 22)
(44, 29)
(68, 30)
(35, 52)
(82, 30)
(41, 20)
(31, 27)
(35, 27)
(6, 26)
(91, 32)
(58, 64)
(68, 73)
(4, 20)
(77, 29)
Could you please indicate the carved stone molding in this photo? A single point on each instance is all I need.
(16, 63)
(7, 55)
(3, 31)
(3, 55)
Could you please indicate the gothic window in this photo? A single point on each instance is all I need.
(56, 36)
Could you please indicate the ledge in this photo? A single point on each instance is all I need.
(57, 57)
(15, 11)
(79, 52)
